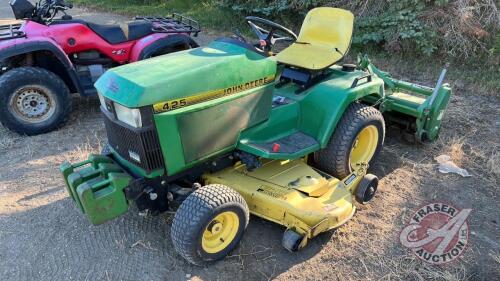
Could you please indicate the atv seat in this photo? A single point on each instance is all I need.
(116, 34)
(324, 39)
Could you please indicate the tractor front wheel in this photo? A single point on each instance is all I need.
(359, 137)
(209, 224)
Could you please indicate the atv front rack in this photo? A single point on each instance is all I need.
(174, 24)
(11, 31)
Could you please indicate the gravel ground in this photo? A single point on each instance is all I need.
(44, 237)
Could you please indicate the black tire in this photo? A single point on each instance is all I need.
(21, 84)
(196, 214)
(291, 240)
(335, 158)
(366, 189)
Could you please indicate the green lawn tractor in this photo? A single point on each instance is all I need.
(220, 132)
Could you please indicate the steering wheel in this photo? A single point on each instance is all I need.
(269, 32)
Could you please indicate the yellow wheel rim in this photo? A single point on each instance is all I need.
(220, 232)
(364, 146)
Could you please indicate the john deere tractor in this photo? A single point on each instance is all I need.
(220, 132)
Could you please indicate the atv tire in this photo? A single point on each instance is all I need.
(209, 224)
(33, 101)
(335, 159)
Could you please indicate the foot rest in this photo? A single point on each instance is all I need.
(292, 145)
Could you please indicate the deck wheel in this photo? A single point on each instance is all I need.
(292, 240)
(366, 189)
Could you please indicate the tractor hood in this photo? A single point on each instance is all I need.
(222, 66)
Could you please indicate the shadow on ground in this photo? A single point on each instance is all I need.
(56, 242)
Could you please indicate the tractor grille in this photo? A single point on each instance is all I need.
(130, 144)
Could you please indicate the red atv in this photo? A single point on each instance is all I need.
(44, 59)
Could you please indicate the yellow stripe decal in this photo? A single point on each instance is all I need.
(210, 95)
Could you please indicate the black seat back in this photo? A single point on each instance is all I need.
(138, 29)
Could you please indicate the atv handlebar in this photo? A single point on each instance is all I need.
(46, 10)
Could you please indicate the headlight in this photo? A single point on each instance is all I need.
(129, 116)
(102, 100)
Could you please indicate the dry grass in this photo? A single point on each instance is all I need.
(464, 24)
(493, 163)
(92, 145)
(495, 257)
(7, 139)
(481, 157)
(456, 150)
(409, 267)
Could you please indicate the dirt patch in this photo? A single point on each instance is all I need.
(44, 237)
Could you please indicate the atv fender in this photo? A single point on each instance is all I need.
(148, 45)
(23, 46)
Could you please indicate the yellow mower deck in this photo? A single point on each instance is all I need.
(293, 194)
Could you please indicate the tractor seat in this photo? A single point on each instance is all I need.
(116, 34)
(324, 39)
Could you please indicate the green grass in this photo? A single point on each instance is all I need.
(205, 12)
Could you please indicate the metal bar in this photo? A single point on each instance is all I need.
(412, 87)
(174, 24)
(438, 87)
(11, 31)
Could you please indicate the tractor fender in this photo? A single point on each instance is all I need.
(67, 72)
(323, 107)
(149, 44)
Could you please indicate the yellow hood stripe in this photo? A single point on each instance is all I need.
(211, 95)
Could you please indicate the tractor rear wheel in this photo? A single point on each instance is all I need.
(33, 100)
(209, 224)
(359, 137)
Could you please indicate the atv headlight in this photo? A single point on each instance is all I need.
(130, 116)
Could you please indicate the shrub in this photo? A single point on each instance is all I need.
(458, 28)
